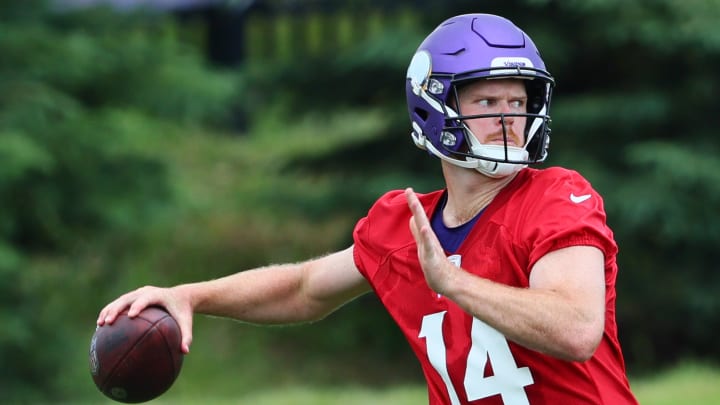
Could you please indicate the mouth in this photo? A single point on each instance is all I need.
(512, 140)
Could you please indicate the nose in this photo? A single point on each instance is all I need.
(503, 118)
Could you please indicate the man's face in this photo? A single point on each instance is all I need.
(507, 96)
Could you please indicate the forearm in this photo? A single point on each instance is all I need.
(268, 295)
(539, 319)
(280, 294)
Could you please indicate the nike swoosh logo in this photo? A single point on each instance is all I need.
(577, 199)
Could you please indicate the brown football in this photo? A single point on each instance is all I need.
(136, 360)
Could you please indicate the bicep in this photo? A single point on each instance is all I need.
(333, 280)
(578, 274)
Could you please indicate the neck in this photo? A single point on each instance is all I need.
(468, 193)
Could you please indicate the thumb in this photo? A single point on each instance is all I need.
(185, 323)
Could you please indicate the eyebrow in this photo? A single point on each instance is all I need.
(485, 94)
(514, 92)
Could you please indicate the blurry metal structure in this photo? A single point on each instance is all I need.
(224, 21)
(166, 5)
(238, 30)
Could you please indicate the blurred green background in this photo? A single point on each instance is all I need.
(160, 145)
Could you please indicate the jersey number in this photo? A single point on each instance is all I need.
(508, 380)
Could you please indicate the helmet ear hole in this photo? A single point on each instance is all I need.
(536, 96)
(537, 147)
(535, 104)
(422, 114)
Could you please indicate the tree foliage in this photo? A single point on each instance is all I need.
(79, 93)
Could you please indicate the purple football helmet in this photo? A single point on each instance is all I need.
(471, 47)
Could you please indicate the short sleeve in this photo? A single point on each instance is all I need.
(371, 235)
(385, 229)
(571, 213)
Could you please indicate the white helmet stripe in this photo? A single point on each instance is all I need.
(537, 122)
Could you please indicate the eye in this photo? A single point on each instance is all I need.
(486, 102)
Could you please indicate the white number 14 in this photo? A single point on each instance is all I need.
(487, 343)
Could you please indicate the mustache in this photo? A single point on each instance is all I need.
(509, 134)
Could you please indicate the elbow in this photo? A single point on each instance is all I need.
(312, 311)
(583, 344)
(582, 351)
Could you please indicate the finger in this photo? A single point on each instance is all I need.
(419, 223)
(183, 315)
(413, 229)
(414, 223)
(185, 323)
(138, 306)
(100, 321)
(180, 309)
(429, 243)
(412, 200)
(419, 215)
(111, 311)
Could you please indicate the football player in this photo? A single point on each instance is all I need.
(503, 282)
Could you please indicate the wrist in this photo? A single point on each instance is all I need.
(186, 294)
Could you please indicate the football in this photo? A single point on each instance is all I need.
(136, 360)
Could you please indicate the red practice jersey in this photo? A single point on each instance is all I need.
(465, 361)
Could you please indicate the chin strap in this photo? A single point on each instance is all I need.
(486, 167)
(498, 169)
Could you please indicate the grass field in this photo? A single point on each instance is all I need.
(687, 384)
